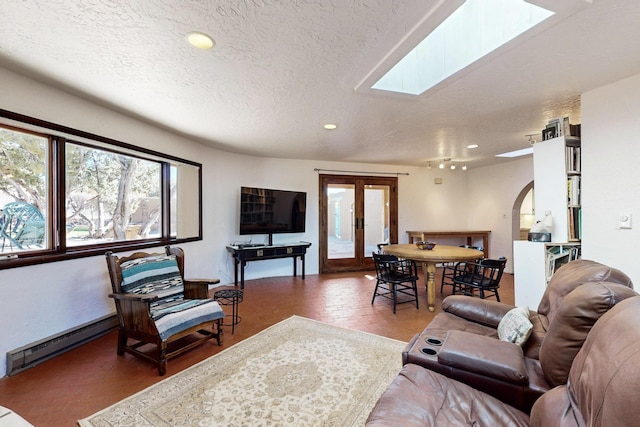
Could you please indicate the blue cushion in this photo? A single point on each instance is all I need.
(157, 274)
(191, 313)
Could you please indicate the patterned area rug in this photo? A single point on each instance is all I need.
(299, 372)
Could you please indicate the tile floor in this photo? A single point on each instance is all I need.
(85, 380)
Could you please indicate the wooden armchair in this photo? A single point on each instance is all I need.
(157, 307)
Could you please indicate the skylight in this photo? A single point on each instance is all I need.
(517, 153)
(475, 29)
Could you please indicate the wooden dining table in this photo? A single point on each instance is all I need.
(429, 259)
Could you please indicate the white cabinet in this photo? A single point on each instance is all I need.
(533, 265)
(556, 173)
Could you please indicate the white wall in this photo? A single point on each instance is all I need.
(39, 301)
(610, 174)
(492, 192)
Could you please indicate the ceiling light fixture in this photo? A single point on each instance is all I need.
(200, 40)
(330, 126)
(447, 161)
(472, 146)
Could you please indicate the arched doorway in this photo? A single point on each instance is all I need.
(522, 219)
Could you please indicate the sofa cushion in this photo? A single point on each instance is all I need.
(604, 380)
(515, 326)
(572, 275)
(576, 315)
(420, 397)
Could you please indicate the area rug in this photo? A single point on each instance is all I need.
(299, 372)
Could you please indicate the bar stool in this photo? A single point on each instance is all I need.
(231, 297)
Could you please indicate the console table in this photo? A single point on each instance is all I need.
(243, 253)
(469, 234)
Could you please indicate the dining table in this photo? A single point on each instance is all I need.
(430, 258)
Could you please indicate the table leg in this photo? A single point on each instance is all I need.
(243, 264)
(295, 267)
(429, 269)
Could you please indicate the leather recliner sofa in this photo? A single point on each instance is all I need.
(601, 389)
(462, 341)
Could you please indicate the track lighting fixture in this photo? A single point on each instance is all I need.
(447, 161)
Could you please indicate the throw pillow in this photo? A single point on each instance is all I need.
(515, 326)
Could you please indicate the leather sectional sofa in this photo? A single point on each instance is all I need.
(458, 371)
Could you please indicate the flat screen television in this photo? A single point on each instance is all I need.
(267, 211)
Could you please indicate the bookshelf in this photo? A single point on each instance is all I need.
(557, 188)
(534, 265)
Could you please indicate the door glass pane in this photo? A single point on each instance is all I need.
(340, 221)
(23, 191)
(376, 217)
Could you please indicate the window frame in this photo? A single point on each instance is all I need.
(58, 136)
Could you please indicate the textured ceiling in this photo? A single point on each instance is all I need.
(283, 68)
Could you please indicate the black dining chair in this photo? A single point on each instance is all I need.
(482, 276)
(395, 276)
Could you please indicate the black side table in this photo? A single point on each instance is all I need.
(231, 297)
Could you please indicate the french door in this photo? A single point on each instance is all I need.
(356, 214)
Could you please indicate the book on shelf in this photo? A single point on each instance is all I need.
(558, 255)
(572, 158)
(560, 126)
(575, 223)
(573, 190)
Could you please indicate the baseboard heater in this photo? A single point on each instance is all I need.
(32, 354)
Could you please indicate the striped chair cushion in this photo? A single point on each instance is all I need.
(157, 274)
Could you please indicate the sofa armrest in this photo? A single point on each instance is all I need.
(485, 356)
(482, 311)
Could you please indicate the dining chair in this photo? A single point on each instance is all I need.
(395, 276)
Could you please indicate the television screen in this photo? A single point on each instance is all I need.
(266, 211)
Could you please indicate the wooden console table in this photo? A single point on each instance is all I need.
(469, 234)
(243, 253)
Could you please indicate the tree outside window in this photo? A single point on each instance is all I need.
(110, 196)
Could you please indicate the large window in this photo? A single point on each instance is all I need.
(65, 193)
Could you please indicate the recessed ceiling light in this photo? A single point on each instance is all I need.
(517, 153)
(330, 126)
(200, 40)
(472, 146)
